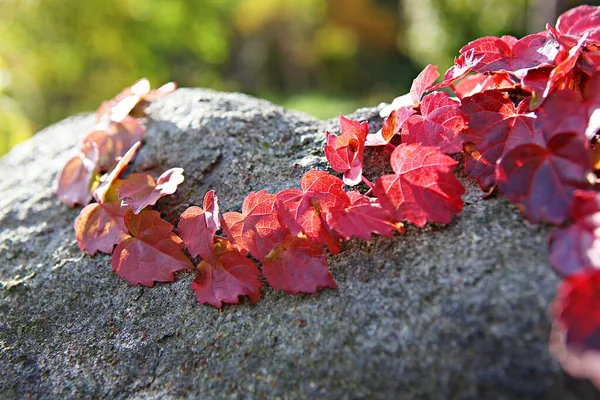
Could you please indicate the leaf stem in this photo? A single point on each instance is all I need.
(368, 182)
(391, 146)
(453, 88)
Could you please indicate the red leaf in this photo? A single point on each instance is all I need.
(423, 188)
(125, 102)
(152, 254)
(577, 246)
(73, 185)
(99, 227)
(542, 179)
(463, 64)
(508, 54)
(363, 217)
(141, 190)
(580, 21)
(298, 265)
(345, 152)
(107, 181)
(198, 226)
(257, 229)
(231, 276)
(494, 128)
(306, 210)
(114, 142)
(439, 124)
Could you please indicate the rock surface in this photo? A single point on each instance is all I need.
(447, 312)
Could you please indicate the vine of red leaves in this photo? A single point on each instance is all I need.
(524, 112)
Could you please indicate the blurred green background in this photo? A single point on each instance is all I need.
(324, 57)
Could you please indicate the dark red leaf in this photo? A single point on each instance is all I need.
(345, 152)
(423, 187)
(152, 254)
(198, 226)
(463, 64)
(141, 190)
(577, 246)
(74, 183)
(231, 276)
(306, 210)
(257, 229)
(362, 218)
(99, 227)
(298, 266)
(494, 128)
(439, 124)
(542, 179)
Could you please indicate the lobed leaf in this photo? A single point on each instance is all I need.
(99, 227)
(141, 190)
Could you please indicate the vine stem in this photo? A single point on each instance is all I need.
(454, 91)
(367, 182)
(391, 146)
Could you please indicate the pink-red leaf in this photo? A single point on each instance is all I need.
(141, 190)
(298, 266)
(114, 141)
(233, 275)
(495, 127)
(439, 124)
(577, 246)
(99, 227)
(362, 218)
(305, 210)
(256, 229)
(345, 152)
(423, 187)
(391, 126)
(73, 185)
(198, 226)
(152, 254)
(477, 83)
(580, 21)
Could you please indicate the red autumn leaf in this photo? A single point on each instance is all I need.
(508, 54)
(362, 218)
(114, 141)
(580, 21)
(563, 69)
(391, 126)
(421, 84)
(141, 190)
(73, 185)
(152, 254)
(232, 275)
(423, 187)
(577, 246)
(439, 124)
(198, 226)
(305, 210)
(463, 64)
(256, 229)
(108, 180)
(542, 179)
(477, 83)
(125, 102)
(298, 265)
(542, 176)
(99, 227)
(574, 339)
(345, 152)
(495, 126)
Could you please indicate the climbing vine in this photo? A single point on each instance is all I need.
(525, 113)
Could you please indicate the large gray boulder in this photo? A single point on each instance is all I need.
(456, 311)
